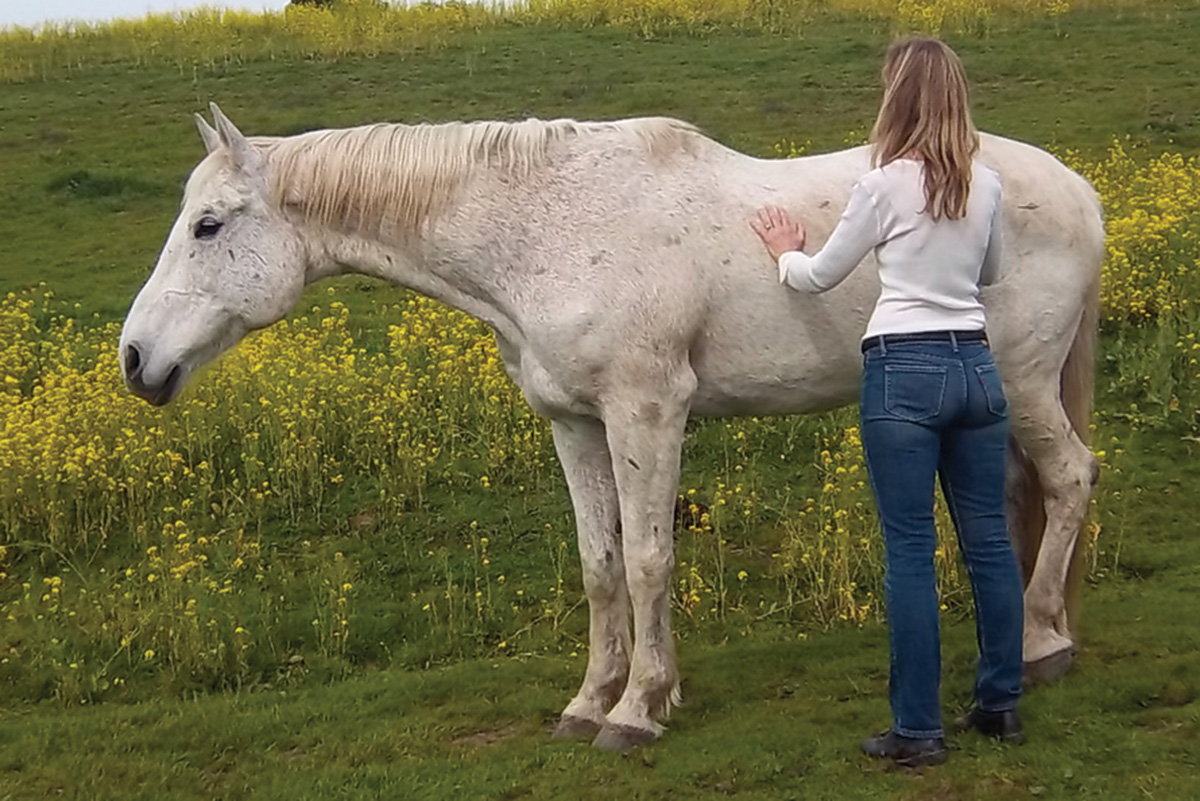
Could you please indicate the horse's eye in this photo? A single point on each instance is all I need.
(207, 228)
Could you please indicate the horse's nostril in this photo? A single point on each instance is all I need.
(133, 360)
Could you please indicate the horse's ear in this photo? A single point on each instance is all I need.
(245, 156)
(212, 139)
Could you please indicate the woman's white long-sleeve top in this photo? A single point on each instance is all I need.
(930, 272)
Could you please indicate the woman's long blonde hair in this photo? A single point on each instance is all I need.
(926, 111)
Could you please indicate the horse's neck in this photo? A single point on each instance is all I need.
(434, 264)
(429, 234)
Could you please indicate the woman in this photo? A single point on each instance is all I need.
(932, 401)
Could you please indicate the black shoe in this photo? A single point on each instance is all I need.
(1004, 726)
(907, 751)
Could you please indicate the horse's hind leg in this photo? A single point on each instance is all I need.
(1067, 472)
(645, 434)
(583, 451)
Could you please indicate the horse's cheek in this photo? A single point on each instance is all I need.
(271, 283)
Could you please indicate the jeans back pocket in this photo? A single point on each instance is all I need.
(914, 392)
(993, 388)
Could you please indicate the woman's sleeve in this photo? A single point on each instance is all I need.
(990, 271)
(857, 233)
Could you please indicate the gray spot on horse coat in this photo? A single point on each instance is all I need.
(1028, 206)
(636, 466)
(824, 204)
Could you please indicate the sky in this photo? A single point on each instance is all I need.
(28, 13)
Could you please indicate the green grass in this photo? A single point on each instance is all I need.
(91, 168)
(771, 717)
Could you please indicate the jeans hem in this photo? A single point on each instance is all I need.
(919, 734)
(1012, 708)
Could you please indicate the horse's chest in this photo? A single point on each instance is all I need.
(549, 389)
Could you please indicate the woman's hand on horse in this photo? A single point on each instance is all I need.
(778, 231)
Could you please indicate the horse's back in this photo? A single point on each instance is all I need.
(662, 245)
(764, 349)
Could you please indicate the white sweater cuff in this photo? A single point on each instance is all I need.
(795, 271)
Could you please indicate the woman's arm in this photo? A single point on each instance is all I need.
(990, 272)
(857, 232)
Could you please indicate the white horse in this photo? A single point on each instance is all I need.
(626, 290)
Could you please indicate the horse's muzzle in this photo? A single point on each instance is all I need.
(134, 367)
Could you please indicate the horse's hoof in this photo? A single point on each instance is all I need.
(571, 727)
(1049, 668)
(622, 739)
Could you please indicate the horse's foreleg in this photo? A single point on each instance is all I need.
(583, 451)
(1067, 472)
(645, 436)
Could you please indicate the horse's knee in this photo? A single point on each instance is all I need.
(604, 576)
(1072, 479)
(650, 561)
(1088, 471)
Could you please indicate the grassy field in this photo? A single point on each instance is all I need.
(372, 634)
(766, 717)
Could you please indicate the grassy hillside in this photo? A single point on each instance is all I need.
(93, 160)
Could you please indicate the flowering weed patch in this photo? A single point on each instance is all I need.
(327, 499)
(190, 546)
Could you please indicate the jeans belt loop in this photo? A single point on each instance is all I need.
(954, 341)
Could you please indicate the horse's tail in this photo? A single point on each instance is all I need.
(1078, 386)
(1027, 510)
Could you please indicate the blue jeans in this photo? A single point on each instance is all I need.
(929, 408)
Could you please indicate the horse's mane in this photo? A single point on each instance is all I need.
(388, 179)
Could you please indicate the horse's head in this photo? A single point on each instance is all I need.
(231, 264)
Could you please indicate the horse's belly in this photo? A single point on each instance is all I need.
(767, 350)
(748, 386)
